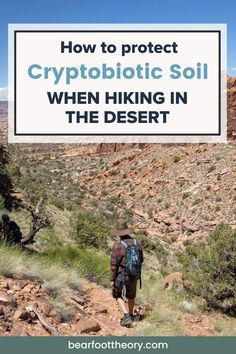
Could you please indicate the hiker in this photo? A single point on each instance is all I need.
(11, 231)
(126, 262)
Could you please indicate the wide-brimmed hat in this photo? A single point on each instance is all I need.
(5, 218)
(122, 229)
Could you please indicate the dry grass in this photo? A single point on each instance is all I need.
(164, 318)
(224, 325)
(54, 277)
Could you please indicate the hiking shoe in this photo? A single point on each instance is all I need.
(137, 317)
(126, 321)
(134, 318)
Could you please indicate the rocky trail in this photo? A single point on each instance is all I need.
(198, 325)
(26, 310)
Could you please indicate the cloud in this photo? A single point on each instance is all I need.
(3, 94)
(234, 69)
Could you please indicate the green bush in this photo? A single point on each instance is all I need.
(154, 247)
(13, 171)
(176, 159)
(5, 179)
(58, 203)
(186, 195)
(91, 229)
(2, 202)
(211, 168)
(127, 215)
(88, 262)
(212, 268)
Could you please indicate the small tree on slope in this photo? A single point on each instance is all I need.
(212, 268)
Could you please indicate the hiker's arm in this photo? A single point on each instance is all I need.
(114, 263)
(6, 230)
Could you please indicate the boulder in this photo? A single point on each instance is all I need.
(45, 308)
(183, 176)
(28, 288)
(152, 193)
(23, 314)
(99, 308)
(5, 299)
(4, 284)
(79, 299)
(16, 288)
(215, 187)
(17, 314)
(191, 228)
(87, 326)
(140, 213)
(173, 278)
(162, 217)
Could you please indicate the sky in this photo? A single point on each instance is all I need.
(116, 11)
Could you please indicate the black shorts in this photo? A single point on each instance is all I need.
(130, 285)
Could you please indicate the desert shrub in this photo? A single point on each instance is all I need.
(34, 190)
(147, 243)
(212, 268)
(127, 215)
(176, 159)
(113, 173)
(91, 229)
(88, 262)
(5, 180)
(174, 238)
(2, 202)
(218, 199)
(211, 168)
(13, 170)
(186, 195)
(196, 201)
(58, 203)
(154, 247)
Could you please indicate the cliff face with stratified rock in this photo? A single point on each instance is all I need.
(172, 194)
(3, 109)
(231, 96)
(231, 124)
(111, 148)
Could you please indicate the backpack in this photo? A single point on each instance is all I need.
(15, 234)
(133, 263)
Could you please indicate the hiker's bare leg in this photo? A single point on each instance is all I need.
(122, 305)
(131, 303)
